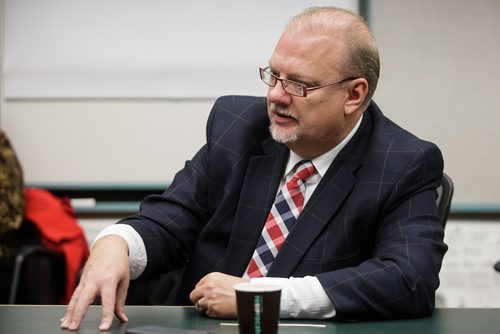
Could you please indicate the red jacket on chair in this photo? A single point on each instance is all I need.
(59, 229)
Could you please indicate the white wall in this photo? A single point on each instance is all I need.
(118, 91)
(440, 78)
(104, 141)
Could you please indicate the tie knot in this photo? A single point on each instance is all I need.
(304, 169)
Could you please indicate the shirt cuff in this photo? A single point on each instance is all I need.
(137, 256)
(301, 297)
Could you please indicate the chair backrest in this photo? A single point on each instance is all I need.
(496, 266)
(445, 194)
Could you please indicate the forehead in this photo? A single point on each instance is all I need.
(311, 52)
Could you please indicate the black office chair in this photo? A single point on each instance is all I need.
(41, 273)
(30, 273)
(37, 274)
(445, 194)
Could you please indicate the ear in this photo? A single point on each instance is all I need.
(357, 90)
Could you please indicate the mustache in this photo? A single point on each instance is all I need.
(281, 110)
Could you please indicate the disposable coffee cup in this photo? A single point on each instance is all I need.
(258, 308)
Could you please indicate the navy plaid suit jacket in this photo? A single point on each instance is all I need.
(370, 232)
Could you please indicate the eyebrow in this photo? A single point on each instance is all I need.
(298, 78)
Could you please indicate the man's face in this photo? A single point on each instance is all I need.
(310, 125)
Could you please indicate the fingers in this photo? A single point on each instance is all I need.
(65, 321)
(196, 294)
(112, 303)
(108, 299)
(106, 274)
(198, 291)
(215, 294)
(121, 296)
(198, 306)
(78, 306)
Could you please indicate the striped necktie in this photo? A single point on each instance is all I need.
(284, 212)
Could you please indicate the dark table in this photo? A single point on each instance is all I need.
(20, 319)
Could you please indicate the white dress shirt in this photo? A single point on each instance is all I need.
(301, 297)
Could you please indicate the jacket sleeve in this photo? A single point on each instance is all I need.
(400, 277)
(171, 223)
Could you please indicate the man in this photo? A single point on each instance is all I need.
(368, 242)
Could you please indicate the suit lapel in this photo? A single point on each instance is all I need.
(326, 200)
(258, 193)
(323, 204)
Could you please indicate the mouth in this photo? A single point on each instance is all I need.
(282, 115)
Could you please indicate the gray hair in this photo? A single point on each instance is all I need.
(361, 53)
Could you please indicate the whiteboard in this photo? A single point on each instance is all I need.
(141, 48)
(119, 91)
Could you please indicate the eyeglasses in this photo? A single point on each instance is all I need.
(292, 87)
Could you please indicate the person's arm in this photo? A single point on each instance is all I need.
(400, 275)
(301, 297)
(170, 223)
(137, 257)
(106, 274)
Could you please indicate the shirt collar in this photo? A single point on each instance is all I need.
(324, 161)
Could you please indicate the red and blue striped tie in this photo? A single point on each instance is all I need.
(284, 212)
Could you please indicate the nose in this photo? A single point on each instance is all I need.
(278, 95)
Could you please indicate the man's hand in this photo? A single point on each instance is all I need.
(106, 274)
(215, 293)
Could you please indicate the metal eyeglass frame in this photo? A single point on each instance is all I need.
(300, 87)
